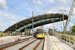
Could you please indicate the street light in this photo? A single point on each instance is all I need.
(63, 17)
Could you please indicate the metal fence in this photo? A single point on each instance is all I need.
(67, 38)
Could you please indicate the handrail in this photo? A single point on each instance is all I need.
(68, 38)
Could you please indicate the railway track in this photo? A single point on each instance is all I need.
(32, 45)
(37, 45)
(3, 47)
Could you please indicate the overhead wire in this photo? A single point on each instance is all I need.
(50, 7)
(45, 8)
(15, 9)
(30, 5)
(34, 6)
(11, 11)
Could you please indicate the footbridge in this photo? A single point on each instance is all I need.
(38, 21)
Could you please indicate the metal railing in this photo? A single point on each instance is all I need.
(66, 38)
(50, 42)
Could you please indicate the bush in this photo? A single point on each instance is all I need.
(73, 28)
(1, 34)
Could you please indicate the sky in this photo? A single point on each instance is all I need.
(12, 11)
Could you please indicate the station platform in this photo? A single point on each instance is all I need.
(46, 43)
(56, 43)
(60, 45)
(8, 39)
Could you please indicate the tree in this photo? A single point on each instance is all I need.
(73, 28)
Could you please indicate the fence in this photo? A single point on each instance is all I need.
(65, 37)
(9, 34)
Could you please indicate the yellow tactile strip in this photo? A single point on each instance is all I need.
(55, 43)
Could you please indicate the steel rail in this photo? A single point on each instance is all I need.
(37, 44)
(18, 42)
(27, 45)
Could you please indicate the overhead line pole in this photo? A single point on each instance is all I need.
(63, 18)
(32, 24)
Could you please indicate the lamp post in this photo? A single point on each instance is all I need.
(63, 17)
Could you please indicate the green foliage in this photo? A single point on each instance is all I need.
(1, 34)
(73, 28)
(4, 34)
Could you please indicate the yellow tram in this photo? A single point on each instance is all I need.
(40, 33)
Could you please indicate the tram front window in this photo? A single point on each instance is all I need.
(40, 31)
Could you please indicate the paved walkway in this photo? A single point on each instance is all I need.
(46, 43)
(60, 45)
(8, 39)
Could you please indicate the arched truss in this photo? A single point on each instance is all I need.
(38, 21)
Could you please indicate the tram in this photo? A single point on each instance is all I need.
(40, 33)
(50, 31)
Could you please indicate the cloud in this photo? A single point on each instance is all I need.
(71, 24)
(38, 2)
(47, 26)
(4, 14)
(56, 26)
(3, 5)
(63, 1)
(29, 9)
(11, 18)
(50, 11)
(61, 26)
(74, 11)
(52, 1)
(1, 25)
(8, 20)
(67, 10)
(72, 17)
